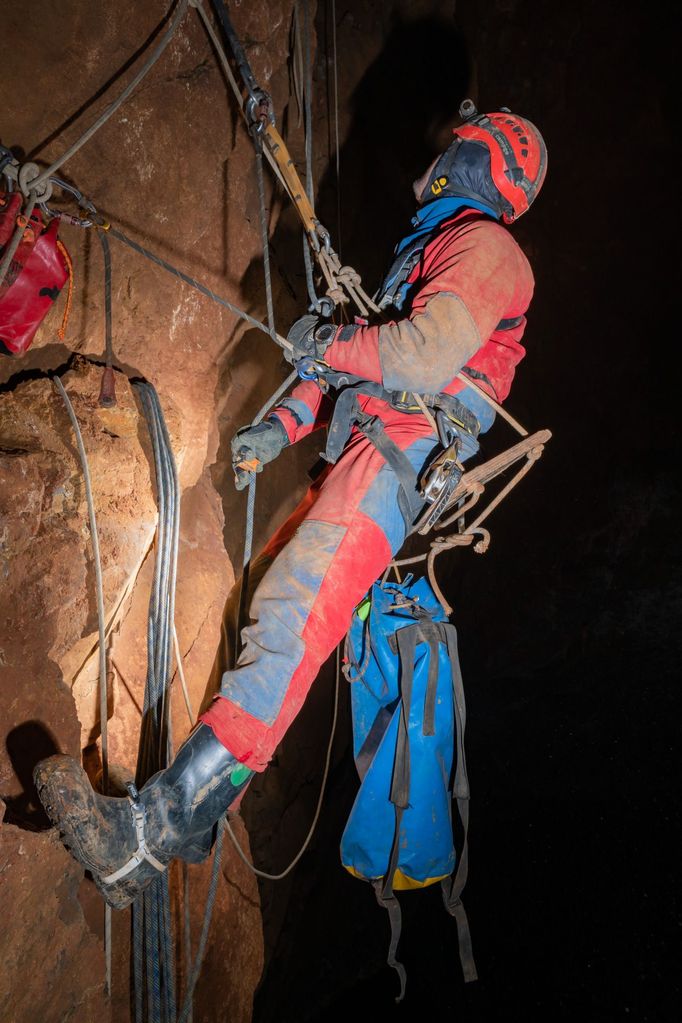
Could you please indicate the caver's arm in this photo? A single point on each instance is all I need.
(471, 280)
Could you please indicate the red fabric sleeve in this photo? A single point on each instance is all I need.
(304, 410)
(473, 275)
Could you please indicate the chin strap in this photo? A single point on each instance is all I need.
(142, 852)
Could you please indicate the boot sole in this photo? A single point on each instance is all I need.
(70, 803)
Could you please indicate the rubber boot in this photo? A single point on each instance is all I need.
(126, 843)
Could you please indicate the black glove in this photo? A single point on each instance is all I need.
(310, 338)
(258, 445)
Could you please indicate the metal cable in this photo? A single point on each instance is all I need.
(38, 182)
(153, 947)
(281, 341)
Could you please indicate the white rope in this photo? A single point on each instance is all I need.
(242, 855)
(181, 673)
(99, 590)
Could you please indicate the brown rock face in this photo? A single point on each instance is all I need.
(173, 169)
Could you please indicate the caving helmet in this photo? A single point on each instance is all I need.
(499, 159)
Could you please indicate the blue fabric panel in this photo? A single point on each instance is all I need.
(299, 410)
(483, 411)
(381, 500)
(428, 217)
(273, 647)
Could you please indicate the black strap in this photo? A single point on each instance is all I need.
(392, 907)
(453, 887)
(410, 501)
(374, 736)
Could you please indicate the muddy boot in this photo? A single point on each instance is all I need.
(125, 843)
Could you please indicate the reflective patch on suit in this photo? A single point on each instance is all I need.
(273, 647)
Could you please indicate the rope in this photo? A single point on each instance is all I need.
(306, 89)
(242, 855)
(337, 151)
(263, 217)
(153, 949)
(185, 1012)
(224, 63)
(108, 334)
(198, 286)
(466, 379)
(99, 591)
(22, 220)
(181, 673)
(69, 296)
(37, 183)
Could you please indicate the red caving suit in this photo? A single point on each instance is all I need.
(471, 276)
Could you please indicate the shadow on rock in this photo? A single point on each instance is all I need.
(27, 744)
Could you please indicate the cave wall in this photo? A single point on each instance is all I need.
(174, 169)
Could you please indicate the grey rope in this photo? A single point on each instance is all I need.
(197, 285)
(153, 948)
(337, 152)
(13, 244)
(108, 334)
(38, 182)
(264, 238)
(308, 130)
(103, 688)
(185, 1012)
(242, 855)
(99, 590)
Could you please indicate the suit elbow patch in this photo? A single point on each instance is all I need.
(426, 352)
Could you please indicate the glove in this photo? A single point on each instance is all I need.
(257, 445)
(310, 338)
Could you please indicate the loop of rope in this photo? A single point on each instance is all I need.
(61, 333)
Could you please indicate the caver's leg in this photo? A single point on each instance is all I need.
(349, 529)
(303, 606)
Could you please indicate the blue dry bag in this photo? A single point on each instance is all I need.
(408, 716)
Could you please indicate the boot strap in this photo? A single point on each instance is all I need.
(142, 852)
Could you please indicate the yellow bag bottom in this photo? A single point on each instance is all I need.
(401, 882)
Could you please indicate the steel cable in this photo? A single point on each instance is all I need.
(153, 948)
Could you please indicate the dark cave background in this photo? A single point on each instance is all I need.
(569, 626)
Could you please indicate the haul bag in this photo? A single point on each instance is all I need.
(408, 718)
(31, 287)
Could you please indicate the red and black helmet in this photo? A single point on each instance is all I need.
(518, 155)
